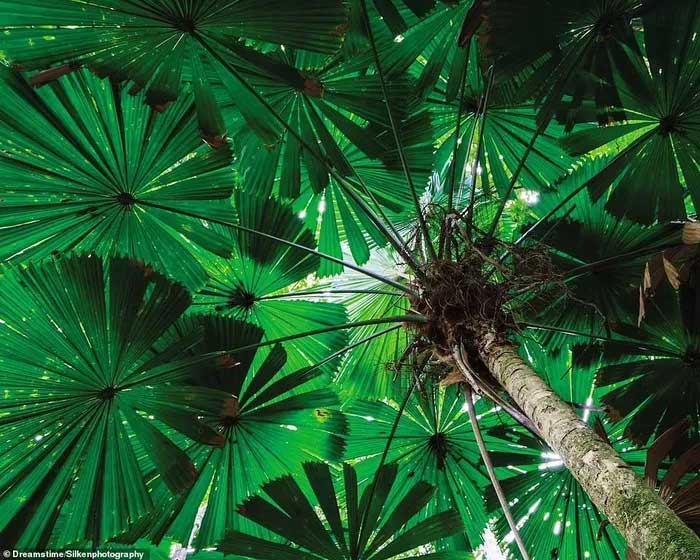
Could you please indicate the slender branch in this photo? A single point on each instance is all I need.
(328, 292)
(309, 250)
(549, 214)
(474, 421)
(286, 295)
(398, 244)
(616, 258)
(572, 194)
(549, 328)
(397, 138)
(208, 356)
(360, 342)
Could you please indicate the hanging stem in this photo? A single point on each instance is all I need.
(205, 358)
(645, 347)
(397, 138)
(445, 234)
(344, 349)
(309, 250)
(617, 258)
(458, 129)
(328, 292)
(303, 293)
(474, 421)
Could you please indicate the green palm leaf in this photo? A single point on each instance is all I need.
(433, 442)
(598, 256)
(429, 48)
(369, 528)
(570, 49)
(649, 373)
(159, 44)
(252, 284)
(88, 399)
(659, 91)
(83, 164)
(279, 418)
(398, 15)
(337, 155)
(492, 147)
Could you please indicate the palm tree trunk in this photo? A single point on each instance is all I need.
(651, 529)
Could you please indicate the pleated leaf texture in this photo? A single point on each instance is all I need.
(159, 44)
(433, 443)
(88, 399)
(323, 528)
(255, 284)
(281, 417)
(88, 167)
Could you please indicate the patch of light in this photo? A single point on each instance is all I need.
(399, 38)
(369, 418)
(290, 427)
(587, 409)
(38, 437)
(302, 215)
(553, 461)
(490, 549)
(533, 507)
(557, 528)
(322, 207)
(529, 197)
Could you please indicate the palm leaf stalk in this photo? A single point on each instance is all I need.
(402, 156)
(388, 231)
(331, 258)
(502, 500)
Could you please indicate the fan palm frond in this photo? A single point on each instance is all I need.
(364, 526)
(89, 400)
(86, 167)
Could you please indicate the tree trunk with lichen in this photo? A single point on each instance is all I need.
(467, 320)
(651, 529)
